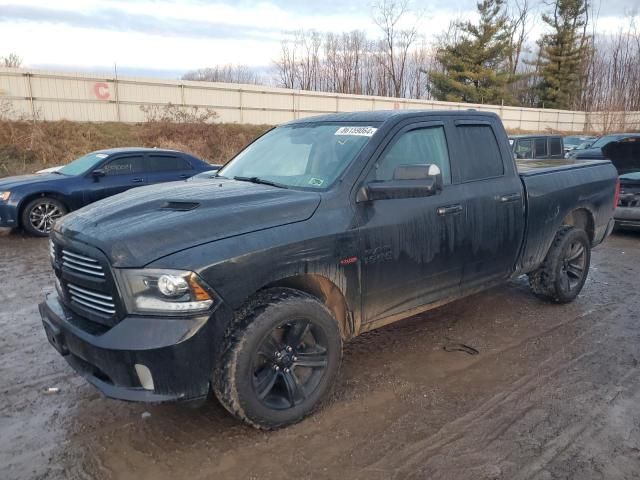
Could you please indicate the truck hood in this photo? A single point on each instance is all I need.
(589, 153)
(147, 223)
(10, 183)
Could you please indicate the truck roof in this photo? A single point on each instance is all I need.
(384, 115)
(535, 135)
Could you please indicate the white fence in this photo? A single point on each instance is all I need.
(86, 97)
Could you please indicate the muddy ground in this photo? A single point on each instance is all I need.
(554, 393)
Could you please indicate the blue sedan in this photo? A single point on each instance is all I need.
(34, 202)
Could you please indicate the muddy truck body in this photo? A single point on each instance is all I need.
(247, 284)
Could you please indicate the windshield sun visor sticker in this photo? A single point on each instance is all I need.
(356, 131)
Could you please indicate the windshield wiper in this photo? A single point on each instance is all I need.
(261, 181)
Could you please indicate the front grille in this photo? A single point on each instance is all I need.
(82, 264)
(97, 303)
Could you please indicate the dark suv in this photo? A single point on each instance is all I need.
(540, 147)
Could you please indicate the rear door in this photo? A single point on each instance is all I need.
(491, 194)
(121, 173)
(411, 246)
(167, 167)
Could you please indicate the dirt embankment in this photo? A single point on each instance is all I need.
(26, 147)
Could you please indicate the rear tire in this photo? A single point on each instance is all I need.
(40, 213)
(281, 357)
(564, 271)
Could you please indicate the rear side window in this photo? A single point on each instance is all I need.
(124, 165)
(541, 147)
(555, 147)
(415, 147)
(166, 163)
(481, 157)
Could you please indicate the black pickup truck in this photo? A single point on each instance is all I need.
(247, 284)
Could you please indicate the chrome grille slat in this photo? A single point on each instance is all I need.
(83, 264)
(80, 263)
(92, 306)
(91, 300)
(81, 257)
(83, 270)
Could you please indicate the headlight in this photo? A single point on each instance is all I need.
(169, 292)
(4, 196)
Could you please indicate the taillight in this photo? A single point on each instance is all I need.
(616, 198)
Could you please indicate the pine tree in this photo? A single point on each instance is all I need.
(473, 66)
(563, 53)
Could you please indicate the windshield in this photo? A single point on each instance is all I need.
(304, 156)
(83, 164)
(602, 141)
(573, 140)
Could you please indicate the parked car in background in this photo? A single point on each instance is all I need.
(574, 142)
(50, 169)
(595, 150)
(34, 202)
(322, 229)
(541, 147)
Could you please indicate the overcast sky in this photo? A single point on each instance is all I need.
(167, 37)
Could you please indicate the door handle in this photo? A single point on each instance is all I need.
(137, 180)
(508, 197)
(449, 210)
(184, 175)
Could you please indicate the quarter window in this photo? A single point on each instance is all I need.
(415, 147)
(555, 147)
(541, 147)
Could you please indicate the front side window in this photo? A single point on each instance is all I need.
(415, 147)
(305, 156)
(124, 166)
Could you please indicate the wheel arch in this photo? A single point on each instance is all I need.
(31, 196)
(327, 292)
(582, 218)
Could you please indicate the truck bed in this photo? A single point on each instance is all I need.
(553, 190)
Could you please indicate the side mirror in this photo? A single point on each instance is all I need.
(409, 181)
(97, 173)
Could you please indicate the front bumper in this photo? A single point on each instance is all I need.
(627, 217)
(178, 352)
(8, 215)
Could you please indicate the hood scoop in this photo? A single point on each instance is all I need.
(179, 206)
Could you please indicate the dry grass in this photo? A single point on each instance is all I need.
(26, 147)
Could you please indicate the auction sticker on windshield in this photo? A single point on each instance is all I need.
(358, 131)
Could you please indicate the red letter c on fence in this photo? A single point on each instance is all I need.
(101, 89)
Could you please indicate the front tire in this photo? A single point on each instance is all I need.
(280, 359)
(40, 213)
(564, 271)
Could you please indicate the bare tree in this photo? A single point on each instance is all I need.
(12, 61)
(396, 42)
(225, 73)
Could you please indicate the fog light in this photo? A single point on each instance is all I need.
(144, 375)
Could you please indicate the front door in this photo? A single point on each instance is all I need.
(119, 174)
(410, 246)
